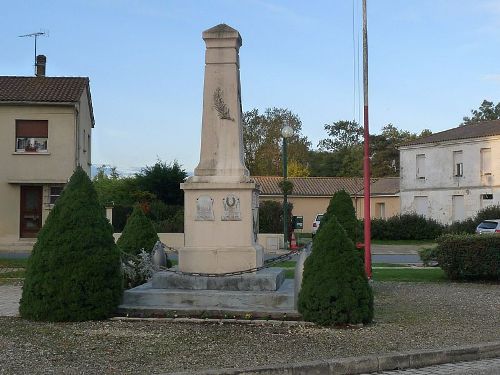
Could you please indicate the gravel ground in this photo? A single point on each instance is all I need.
(408, 316)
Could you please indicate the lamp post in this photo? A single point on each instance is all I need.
(286, 132)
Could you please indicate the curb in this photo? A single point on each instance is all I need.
(369, 364)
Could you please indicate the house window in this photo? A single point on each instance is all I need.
(486, 200)
(31, 135)
(421, 166)
(380, 210)
(458, 165)
(421, 205)
(55, 192)
(457, 208)
(486, 161)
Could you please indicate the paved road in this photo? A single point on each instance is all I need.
(483, 367)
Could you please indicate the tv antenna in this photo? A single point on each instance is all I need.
(35, 36)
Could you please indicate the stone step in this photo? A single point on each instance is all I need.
(145, 298)
(268, 279)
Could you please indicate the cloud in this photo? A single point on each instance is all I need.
(491, 77)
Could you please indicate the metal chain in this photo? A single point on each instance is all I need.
(267, 263)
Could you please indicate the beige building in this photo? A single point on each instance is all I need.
(45, 132)
(450, 175)
(311, 195)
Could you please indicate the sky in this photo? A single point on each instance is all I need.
(430, 63)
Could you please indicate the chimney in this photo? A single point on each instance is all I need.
(41, 61)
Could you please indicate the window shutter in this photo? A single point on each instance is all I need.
(486, 160)
(32, 128)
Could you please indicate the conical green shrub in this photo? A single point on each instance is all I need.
(342, 208)
(74, 272)
(138, 233)
(335, 289)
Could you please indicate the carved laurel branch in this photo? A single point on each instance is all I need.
(220, 106)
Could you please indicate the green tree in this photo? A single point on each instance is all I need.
(114, 189)
(384, 149)
(262, 140)
(163, 180)
(297, 169)
(73, 273)
(487, 111)
(138, 233)
(335, 289)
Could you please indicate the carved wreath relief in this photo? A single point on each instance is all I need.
(231, 208)
(204, 208)
(220, 106)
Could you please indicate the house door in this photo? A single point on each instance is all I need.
(31, 211)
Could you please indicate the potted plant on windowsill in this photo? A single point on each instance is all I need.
(30, 148)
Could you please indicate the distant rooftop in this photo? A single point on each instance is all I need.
(477, 130)
(327, 186)
(42, 89)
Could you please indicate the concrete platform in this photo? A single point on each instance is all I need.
(269, 279)
(145, 300)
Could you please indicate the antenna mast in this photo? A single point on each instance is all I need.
(35, 36)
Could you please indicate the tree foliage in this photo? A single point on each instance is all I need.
(114, 189)
(297, 169)
(163, 180)
(73, 273)
(335, 289)
(138, 233)
(262, 140)
(341, 154)
(486, 111)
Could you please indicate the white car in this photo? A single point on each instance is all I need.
(489, 226)
(316, 223)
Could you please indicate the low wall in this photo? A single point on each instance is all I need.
(269, 241)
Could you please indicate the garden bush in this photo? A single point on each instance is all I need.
(73, 273)
(469, 225)
(470, 257)
(342, 208)
(335, 290)
(271, 217)
(120, 216)
(428, 256)
(406, 227)
(138, 233)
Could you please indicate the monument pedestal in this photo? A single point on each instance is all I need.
(220, 226)
(265, 293)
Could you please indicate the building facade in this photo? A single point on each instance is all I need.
(449, 176)
(45, 133)
(311, 195)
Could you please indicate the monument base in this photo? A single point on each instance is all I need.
(265, 293)
(220, 260)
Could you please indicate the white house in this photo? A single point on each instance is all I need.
(450, 175)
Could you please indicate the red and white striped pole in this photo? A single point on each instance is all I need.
(366, 158)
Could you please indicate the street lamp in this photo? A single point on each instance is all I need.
(286, 132)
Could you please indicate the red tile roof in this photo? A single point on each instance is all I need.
(42, 89)
(477, 130)
(326, 186)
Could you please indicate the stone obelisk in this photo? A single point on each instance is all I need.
(220, 200)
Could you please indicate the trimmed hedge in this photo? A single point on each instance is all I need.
(470, 257)
(73, 273)
(469, 225)
(335, 289)
(406, 227)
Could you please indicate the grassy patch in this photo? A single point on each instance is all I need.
(404, 242)
(409, 274)
(374, 265)
(19, 274)
(13, 263)
(286, 264)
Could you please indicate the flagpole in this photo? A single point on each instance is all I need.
(366, 159)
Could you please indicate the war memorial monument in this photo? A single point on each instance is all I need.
(221, 205)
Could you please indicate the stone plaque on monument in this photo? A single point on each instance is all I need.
(231, 208)
(204, 208)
